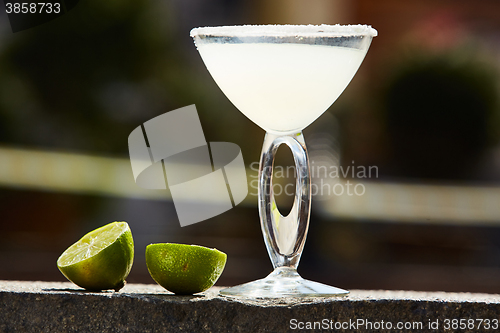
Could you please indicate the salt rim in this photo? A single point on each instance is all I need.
(323, 30)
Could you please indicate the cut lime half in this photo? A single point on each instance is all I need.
(184, 269)
(101, 259)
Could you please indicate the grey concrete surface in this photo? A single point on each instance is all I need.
(63, 307)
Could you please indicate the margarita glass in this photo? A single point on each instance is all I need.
(283, 77)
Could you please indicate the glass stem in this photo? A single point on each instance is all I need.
(284, 235)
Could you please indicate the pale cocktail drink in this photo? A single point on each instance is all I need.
(281, 87)
(283, 78)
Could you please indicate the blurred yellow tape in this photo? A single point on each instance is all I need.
(61, 171)
(421, 203)
(398, 202)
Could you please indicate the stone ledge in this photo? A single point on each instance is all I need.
(63, 307)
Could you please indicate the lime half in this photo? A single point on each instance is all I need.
(184, 269)
(101, 259)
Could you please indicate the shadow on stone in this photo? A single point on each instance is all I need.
(84, 291)
(167, 297)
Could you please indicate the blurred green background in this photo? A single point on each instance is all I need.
(423, 109)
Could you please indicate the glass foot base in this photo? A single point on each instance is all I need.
(283, 282)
